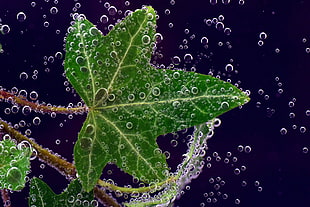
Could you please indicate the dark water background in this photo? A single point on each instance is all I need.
(278, 161)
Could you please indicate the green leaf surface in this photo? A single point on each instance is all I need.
(14, 164)
(41, 195)
(189, 169)
(131, 102)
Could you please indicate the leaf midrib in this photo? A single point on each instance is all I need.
(132, 37)
(39, 192)
(164, 101)
(88, 63)
(90, 154)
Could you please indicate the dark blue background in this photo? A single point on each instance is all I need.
(276, 161)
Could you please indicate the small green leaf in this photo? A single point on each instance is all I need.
(14, 164)
(189, 169)
(41, 195)
(131, 102)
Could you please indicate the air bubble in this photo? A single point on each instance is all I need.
(280, 90)
(14, 109)
(33, 95)
(53, 115)
(237, 171)
(156, 91)
(129, 125)
(174, 143)
(94, 203)
(36, 121)
(176, 60)
(131, 97)
(302, 129)
(5, 29)
(208, 22)
(188, 58)
(243, 168)
(260, 91)
(157, 151)
(291, 104)
(21, 16)
(111, 97)
(53, 10)
(221, 17)
(146, 39)
(241, 2)
(262, 36)
(85, 143)
(71, 199)
(26, 110)
(256, 183)
(237, 201)
(106, 4)
(104, 19)
(204, 40)
(291, 115)
(243, 183)
(305, 150)
(158, 37)
(14, 175)
(247, 149)
(142, 95)
(194, 90)
(57, 141)
(229, 67)
(46, 24)
(150, 16)
(90, 129)
(101, 96)
(219, 26)
(227, 31)
(283, 131)
(224, 105)
(213, 2)
(167, 11)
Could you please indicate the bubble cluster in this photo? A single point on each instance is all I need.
(15, 163)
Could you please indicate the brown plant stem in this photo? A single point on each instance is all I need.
(22, 101)
(64, 167)
(5, 198)
(104, 198)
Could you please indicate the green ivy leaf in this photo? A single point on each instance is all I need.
(131, 102)
(41, 195)
(14, 164)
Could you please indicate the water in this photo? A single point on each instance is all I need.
(261, 46)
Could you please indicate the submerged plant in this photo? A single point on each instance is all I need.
(129, 103)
